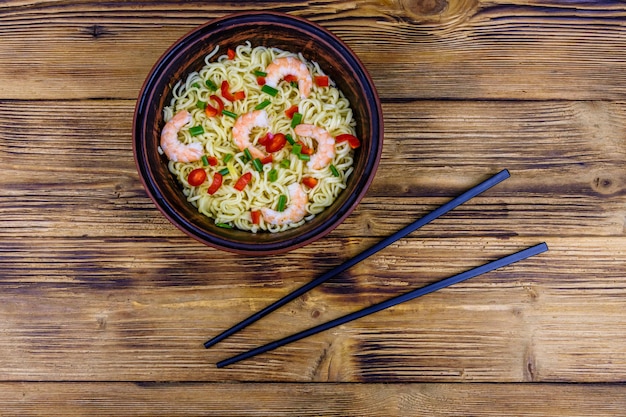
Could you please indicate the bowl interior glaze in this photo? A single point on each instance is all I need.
(260, 29)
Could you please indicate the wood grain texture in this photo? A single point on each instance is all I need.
(104, 305)
(225, 399)
(521, 50)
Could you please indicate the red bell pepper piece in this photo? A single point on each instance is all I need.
(291, 111)
(267, 160)
(212, 160)
(230, 53)
(263, 140)
(352, 140)
(216, 184)
(256, 216)
(290, 78)
(260, 80)
(309, 181)
(276, 143)
(225, 87)
(243, 181)
(211, 111)
(321, 80)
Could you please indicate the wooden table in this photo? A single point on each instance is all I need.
(104, 305)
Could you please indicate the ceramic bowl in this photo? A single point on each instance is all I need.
(261, 29)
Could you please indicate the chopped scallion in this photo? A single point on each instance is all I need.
(247, 154)
(296, 120)
(229, 114)
(290, 139)
(259, 73)
(201, 104)
(297, 149)
(258, 165)
(304, 157)
(196, 130)
(269, 90)
(333, 169)
(205, 160)
(212, 86)
(272, 175)
(262, 105)
(224, 171)
(228, 157)
(195, 85)
(282, 202)
(224, 225)
(285, 163)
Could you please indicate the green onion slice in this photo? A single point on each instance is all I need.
(205, 160)
(201, 104)
(304, 157)
(212, 86)
(224, 171)
(224, 225)
(282, 202)
(229, 114)
(285, 163)
(272, 175)
(290, 139)
(196, 130)
(296, 120)
(262, 105)
(228, 157)
(269, 90)
(247, 154)
(259, 73)
(258, 165)
(333, 169)
(297, 149)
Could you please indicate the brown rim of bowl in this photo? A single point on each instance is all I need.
(146, 138)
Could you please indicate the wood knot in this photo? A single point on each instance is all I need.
(425, 7)
(604, 185)
(96, 31)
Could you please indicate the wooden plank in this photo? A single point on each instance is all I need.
(81, 50)
(132, 312)
(225, 399)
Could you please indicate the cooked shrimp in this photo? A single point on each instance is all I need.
(293, 213)
(244, 125)
(282, 67)
(325, 145)
(174, 149)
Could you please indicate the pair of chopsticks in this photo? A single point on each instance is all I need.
(499, 263)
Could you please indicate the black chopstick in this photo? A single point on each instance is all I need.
(507, 260)
(469, 194)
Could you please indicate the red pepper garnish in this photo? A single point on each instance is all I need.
(276, 143)
(230, 53)
(260, 80)
(243, 181)
(267, 160)
(211, 111)
(212, 160)
(225, 87)
(352, 140)
(196, 177)
(263, 140)
(305, 149)
(291, 111)
(309, 181)
(290, 78)
(256, 216)
(216, 184)
(321, 80)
